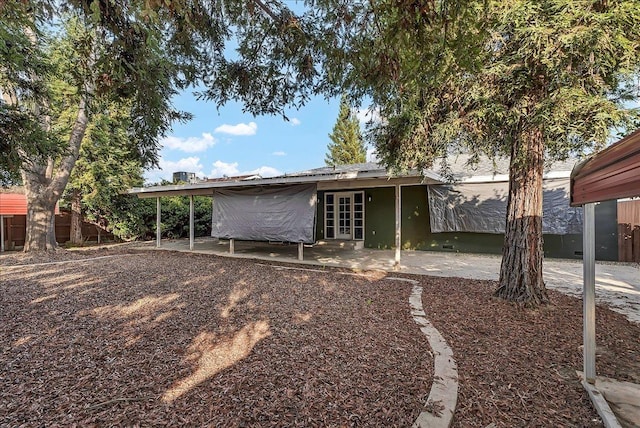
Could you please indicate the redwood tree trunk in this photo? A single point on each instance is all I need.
(521, 271)
(75, 235)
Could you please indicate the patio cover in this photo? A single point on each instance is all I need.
(284, 214)
(611, 174)
(482, 208)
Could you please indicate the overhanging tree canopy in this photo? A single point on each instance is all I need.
(530, 80)
(140, 52)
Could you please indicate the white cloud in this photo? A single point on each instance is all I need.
(295, 121)
(264, 171)
(279, 153)
(167, 168)
(221, 169)
(189, 145)
(239, 129)
(369, 115)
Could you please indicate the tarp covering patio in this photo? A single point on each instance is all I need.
(284, 214)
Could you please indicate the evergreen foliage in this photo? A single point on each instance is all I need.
(347, 145)
(138, 54)
(534, 81)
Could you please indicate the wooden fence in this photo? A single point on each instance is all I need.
(629, 231)
(15, 228)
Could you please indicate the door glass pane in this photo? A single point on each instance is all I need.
(344, 216)
(358, 215)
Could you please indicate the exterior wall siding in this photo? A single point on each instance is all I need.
(416, 234)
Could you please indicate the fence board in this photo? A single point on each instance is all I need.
(636, 244)
(629, 212)
(625, 243)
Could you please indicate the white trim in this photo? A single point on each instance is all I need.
(336, 214)
(191, 223)
(551, 175)
(158, 221)
(324, 216)
(343, 180)
(361, 192)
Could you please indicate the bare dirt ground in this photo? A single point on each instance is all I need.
(161, 338)
(167, 339)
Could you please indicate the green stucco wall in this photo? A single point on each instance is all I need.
(379, 217)
(555, 246)
(380, 228)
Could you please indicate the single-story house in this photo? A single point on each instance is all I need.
(461, 210)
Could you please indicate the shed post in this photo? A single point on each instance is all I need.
(231, 246)
(589, 293)
(300, 251)
(191, 223)
(1, 233)
(158, 219)
(398, 223)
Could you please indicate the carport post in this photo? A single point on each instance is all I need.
(231, 246)
(300, 251)
(398, 225)
(158, 233)
(1, 234)
(589, 292)
(191, 223)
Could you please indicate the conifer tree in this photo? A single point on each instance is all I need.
(347, 146)
(532, 81)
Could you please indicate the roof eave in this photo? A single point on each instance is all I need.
(203, 188)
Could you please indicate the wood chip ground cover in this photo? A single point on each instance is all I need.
(166, 339)
(518, 367)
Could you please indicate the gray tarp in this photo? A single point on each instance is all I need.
(482, 207)
(265, 214)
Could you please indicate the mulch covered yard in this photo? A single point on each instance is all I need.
(517, 367)
(160, 338)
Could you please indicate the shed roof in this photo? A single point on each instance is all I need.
(613, 173)
(13, 204)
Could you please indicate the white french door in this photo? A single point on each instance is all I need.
(344, 215)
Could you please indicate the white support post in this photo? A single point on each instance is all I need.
(191, 223)
(589, 293)
(398, 223)
(213, 223)
(231, 246)
(158, 220)
(1, 234)
(300, 251)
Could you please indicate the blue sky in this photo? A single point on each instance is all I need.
(230, 142)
